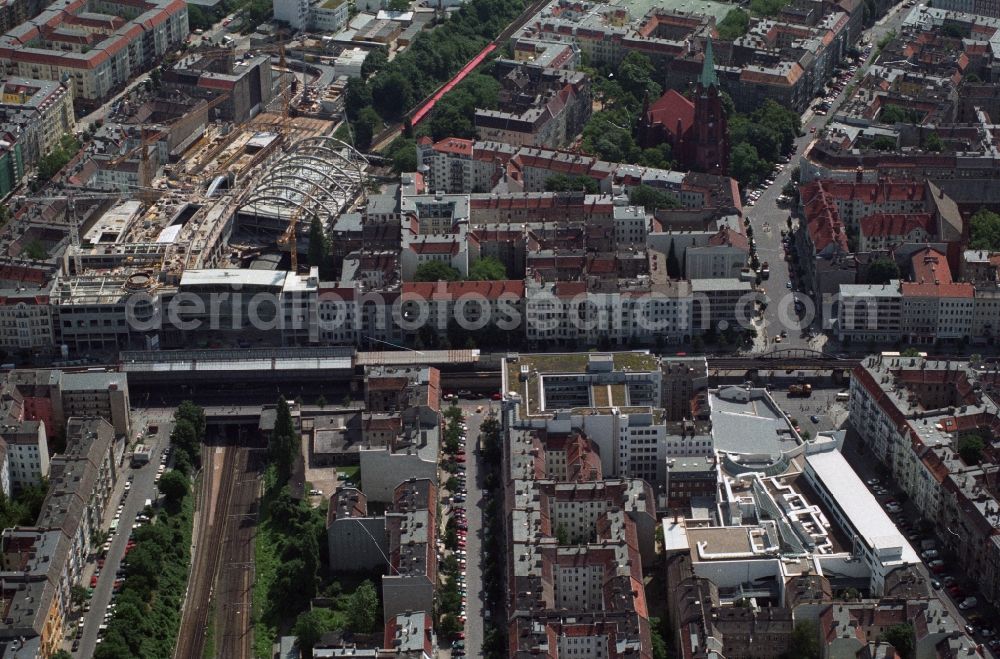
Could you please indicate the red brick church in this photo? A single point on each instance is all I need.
(696, 130)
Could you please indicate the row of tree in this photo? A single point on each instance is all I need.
(148, 612)
(759, 140)
(50, 164)
(432, 58)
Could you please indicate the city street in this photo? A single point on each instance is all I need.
(473, 547)
(867, 469)
(768, 219)
(143, 487)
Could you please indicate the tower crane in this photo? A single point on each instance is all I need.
(157, 134)
(71, 218)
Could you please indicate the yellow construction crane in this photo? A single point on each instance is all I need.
(290, 237)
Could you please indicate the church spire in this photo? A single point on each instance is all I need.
(708, 75)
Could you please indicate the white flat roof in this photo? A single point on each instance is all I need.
(857, 503)
(233, 277)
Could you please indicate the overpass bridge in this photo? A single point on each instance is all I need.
(795, 359)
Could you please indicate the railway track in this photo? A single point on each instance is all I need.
(386, 137)
(216, 493)
(234, 586)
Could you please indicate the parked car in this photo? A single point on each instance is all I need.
(968, 603)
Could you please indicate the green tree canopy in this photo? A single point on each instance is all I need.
(317, 243)
(403, 154)
(933, 142)
(745, 165)
(652, 198)
(309, 628)
(377, 58)
(487, 268)
(364, 608)
(903, 639)
(734, 25)
(436, 271)
(805, 641)
(284, 445)
(564, 183)
(882, 271)
(897, 114)
(970, 448)
(985, 230)
(174, 486)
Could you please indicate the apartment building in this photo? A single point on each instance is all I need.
(44, 108)
(27, 454)
(869, 313)
(538, 106)
(935, 307)
(910, 412)
(40, 564)
(411, 526)
(97, 394)
(322, 15)
(96, 48)
(26, 320)
(575, 550)
(357, 540)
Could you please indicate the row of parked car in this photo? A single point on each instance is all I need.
(457, 511)
(937, 566)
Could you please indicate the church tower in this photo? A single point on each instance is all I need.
(711, 148)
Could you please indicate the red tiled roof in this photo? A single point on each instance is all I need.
(886, 225)
(491, 290)
(435, 248)
(454, 145)
(727, 236)
(669, 109)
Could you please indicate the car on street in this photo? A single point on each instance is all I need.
(814, 418)
(968, 603)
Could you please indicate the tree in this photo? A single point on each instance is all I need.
(902, 638)
(357, 96)
(309, 628)
(35, 250)
(882, 270)
(284, 443)
(194, 414)
(563, 183)
(364, 608)
(377, 58)
(174, 486)
(805, 641)
(635, 76)
(745, 165)
(884, 143)
(970, 448)
(436, 271)
(933, 142)
(185, 438)
(317, 243)
(652, 198)
(403, 153)
(78, 595)
(897, 114)
(734, 25)
(61, 654)
(364, 129)
(487, 268)
(985, 230)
